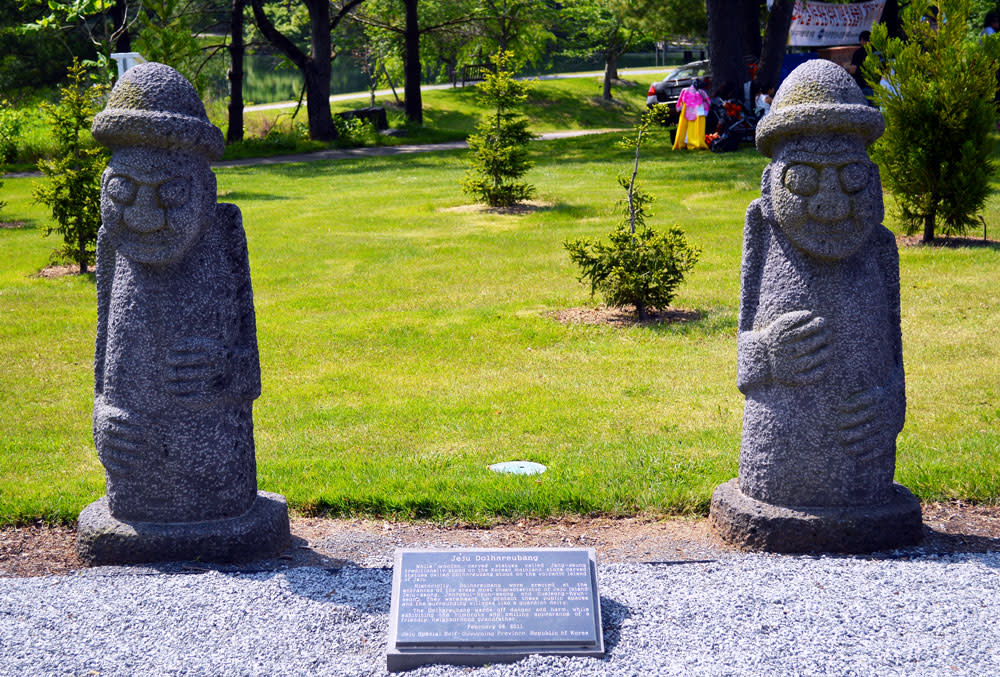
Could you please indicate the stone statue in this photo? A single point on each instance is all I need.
(820, 356)
(176, 368)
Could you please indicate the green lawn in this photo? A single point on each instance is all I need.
(452, 114)
(406, 345)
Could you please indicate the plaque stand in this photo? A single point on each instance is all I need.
(486, 605)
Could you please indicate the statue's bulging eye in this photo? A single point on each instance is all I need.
(853, 177)
(122, 189)
(802, 179)
(173, 193)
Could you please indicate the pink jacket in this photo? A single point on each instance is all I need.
(693, 98)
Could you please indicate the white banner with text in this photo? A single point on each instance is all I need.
(823, 24)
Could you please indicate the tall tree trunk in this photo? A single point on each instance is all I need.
(775, 38)
(317, 75)
(750, 21)
(315, 67)
(235, 75)
(119, 17)
(610, 71)
(928, 227)
(413, 105)
(725, 47)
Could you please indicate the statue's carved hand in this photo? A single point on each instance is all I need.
(196, 369)
(120, 437)
(861, 428)
(800, 349)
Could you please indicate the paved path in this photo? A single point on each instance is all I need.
(365, 151)
(374, 151)
(424, 88)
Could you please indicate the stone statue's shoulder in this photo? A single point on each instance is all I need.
(228, 216)
(882, 236)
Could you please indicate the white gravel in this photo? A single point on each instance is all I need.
(741, 614)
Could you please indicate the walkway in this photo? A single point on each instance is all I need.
(378, 151)
(424, 88)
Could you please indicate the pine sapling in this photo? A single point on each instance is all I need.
(638, 266)
(499, 146)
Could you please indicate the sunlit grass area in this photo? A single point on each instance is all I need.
(408, 342)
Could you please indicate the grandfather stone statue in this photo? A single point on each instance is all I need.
(819, 350)
(176, 368)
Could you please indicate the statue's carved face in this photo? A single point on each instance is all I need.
(155, 204)
(825, 194)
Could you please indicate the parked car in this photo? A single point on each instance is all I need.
(669, 89)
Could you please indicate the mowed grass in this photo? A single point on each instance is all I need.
(451, 114)
(407, 343)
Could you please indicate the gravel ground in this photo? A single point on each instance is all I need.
(735, 614)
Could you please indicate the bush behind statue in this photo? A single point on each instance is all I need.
(936, 94)
(499, 152)
(73, 189)
(638, 266)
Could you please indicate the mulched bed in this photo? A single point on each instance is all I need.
(624, 317)
(952, 242)
(40, 550)
(61, 271)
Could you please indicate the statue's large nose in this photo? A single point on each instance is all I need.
(145, 215)
(829, 203)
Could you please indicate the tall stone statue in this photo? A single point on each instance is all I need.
(176, 369)
(820, 356)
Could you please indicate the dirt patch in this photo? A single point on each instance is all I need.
(61, 271)
(39, 550)
(954, 242)
(528, 207)
(624, 317)
(12, 225)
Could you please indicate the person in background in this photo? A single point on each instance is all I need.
(762, 104)
(857, 59)
(693, 103)
(991, 25)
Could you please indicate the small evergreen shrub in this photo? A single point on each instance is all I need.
(11, 126)
(638, 266)
(499, 146)
(937, 98)
(73, 189)
(3, 170)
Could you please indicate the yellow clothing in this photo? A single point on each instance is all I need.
(690, 135)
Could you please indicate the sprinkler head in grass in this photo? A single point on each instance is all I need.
(518, 468)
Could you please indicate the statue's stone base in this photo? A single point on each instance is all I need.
(259, 532)
(754, 525)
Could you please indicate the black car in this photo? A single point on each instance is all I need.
(667, 90)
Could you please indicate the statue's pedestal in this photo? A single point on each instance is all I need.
(754, 525)
(261, 531)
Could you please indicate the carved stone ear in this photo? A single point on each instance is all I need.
(765, 193)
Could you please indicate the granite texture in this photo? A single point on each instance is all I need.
(176, 367)
(756, 525)
(819, 346)
(104, 539)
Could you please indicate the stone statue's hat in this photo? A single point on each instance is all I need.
(818, 97)
(154, 106)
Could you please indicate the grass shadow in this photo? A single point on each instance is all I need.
(945, 242)
(19, 224)
(232, 195)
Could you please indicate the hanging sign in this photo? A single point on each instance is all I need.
(824, 24)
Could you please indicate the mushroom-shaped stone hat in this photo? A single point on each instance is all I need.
(154, 106)
(818, 97)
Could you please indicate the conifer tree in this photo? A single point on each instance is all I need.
(499, 146)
